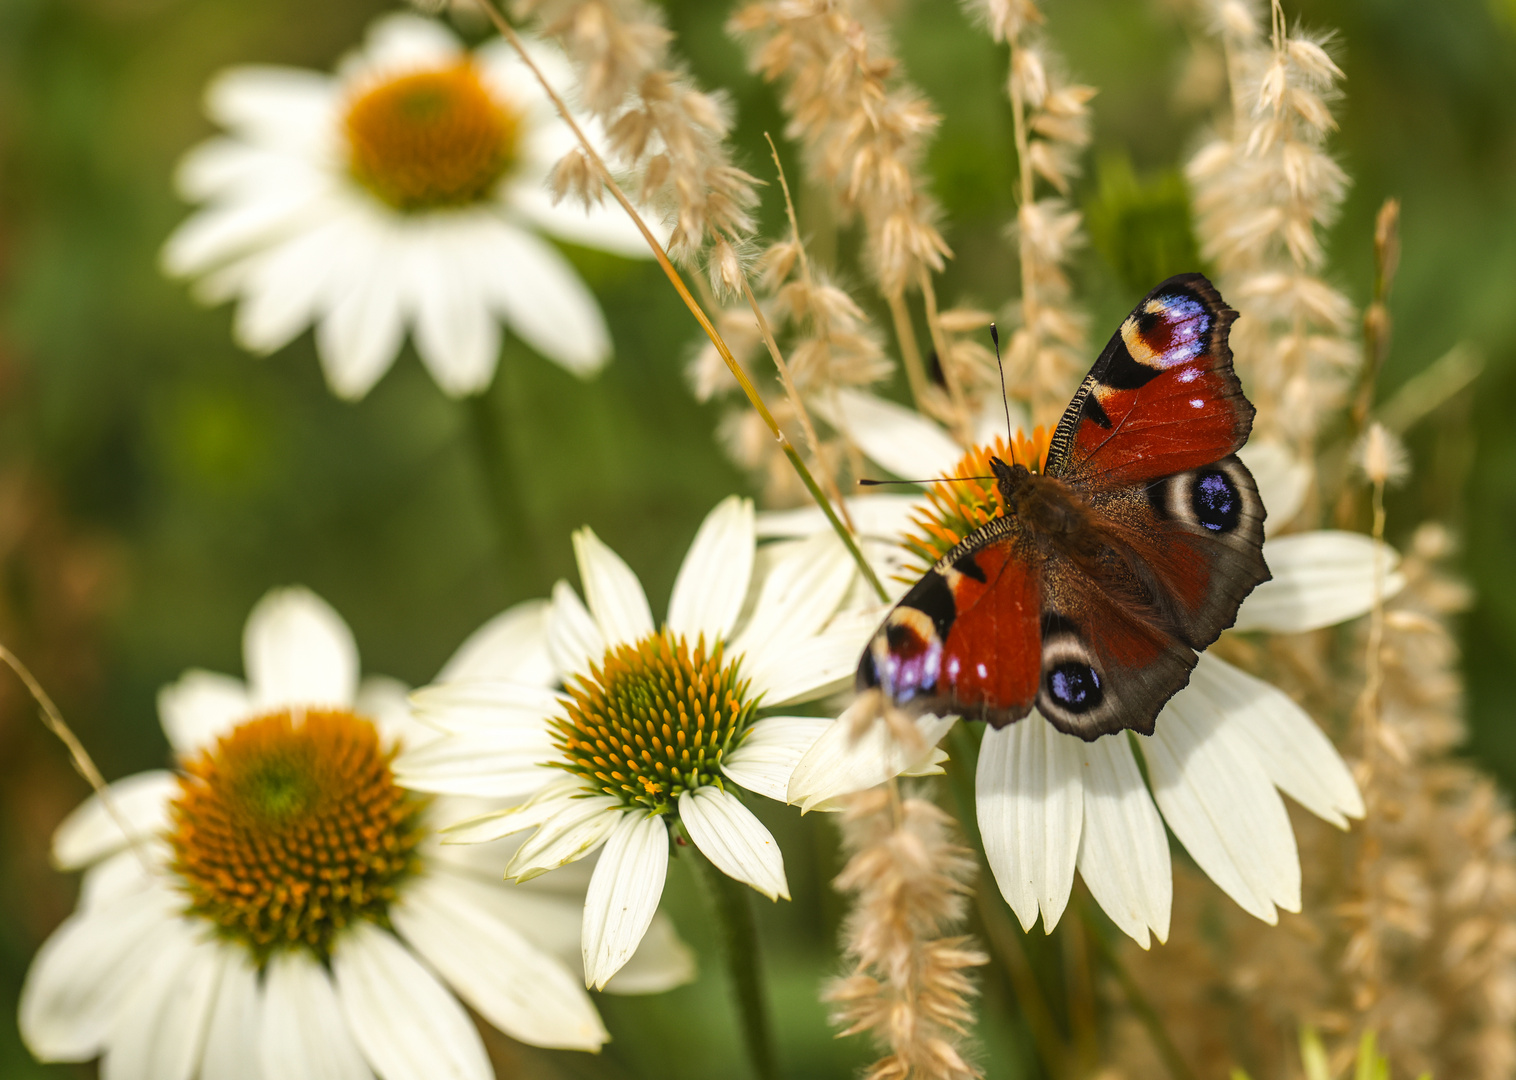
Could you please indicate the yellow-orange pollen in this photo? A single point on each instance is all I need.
(956, 508)
(431, 139)
(654, 720)
(292, 827)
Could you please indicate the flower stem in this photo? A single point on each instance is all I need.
(519, 557)
(739, 932)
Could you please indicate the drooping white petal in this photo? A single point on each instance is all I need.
(839, 763)
(304, 1034)
(799, 594)
(713, 580)
(200, 708)
(736, 842)
(291, 109)
(232, 1049)
(574, 830)
(512, 646)
(1282, 478)
(1296, 754)
(614, 594)
(456, 333)
(1123, 850)
(1221, 804)
(91, 831)
(803, 669)
(900, 439)
(468, 937)
(298, 651)
(504, 763)
(1320, 579)
(1030, 798)
(574, 641)
(160, 1029)
(360, 335)
(284, 284)
(404, 1021)
(774, 746)
(604, 226)
(485, 705)
(623, 894)
(491, 825)
(544, 300)
(400, 42)
(386, 702)
(78, 978)
(882, 517)
(238, 229)
(129, 871)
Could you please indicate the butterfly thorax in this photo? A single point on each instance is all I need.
(1045, 508)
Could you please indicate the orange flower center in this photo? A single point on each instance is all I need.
(654, 720)
(956, 508)
(292, 827)
(431, 139)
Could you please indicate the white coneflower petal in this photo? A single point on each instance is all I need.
(813, 667)
(623, 894)
(736, 842)
(572, 831)
(713, 580)
(544, 300)
(277, 106)
(798, 596)
(159, 1033)
(1283, 480)
(358, 337)
(232, 1051)
(303, 1031)
(1221, 805)
(457, 335)
(843, 761)
(200, 706)
(296, 648)
(496, 764)
(774, 746)
(900, 440)
(404, 1021)
(91, 831)
(614, 594)
(573, 638)
(497, 824)
(483, 705)
(462, 930)
(1030, 795)
(1320, 578)
(512, 645)
(883, 516)
(1123, 848)
(1296, 754)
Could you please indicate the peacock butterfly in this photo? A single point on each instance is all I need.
(1091, 594)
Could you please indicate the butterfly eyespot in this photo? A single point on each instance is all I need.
(1075, 686)
(1215, 501)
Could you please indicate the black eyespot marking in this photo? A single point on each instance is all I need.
(1216, 501)
(968, 567)
(1095, 412)
(1075, 687)
(932, 597)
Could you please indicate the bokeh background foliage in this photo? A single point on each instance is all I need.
(154, 481)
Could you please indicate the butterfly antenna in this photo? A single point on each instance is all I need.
(933, 480)
(1005, 400)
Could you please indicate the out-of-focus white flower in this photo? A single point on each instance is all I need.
(280, 907)
(658, 725)
(403, 193)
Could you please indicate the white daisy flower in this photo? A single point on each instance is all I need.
(657, 725)
(1224, 747)
(277, 908)
(404, 192)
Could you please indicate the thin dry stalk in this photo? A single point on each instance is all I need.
(909, 986)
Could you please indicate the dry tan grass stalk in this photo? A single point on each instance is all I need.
(1051, 116)
(909, 986)
(660, 125)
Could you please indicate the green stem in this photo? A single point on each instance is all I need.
(513, 531)
(739, 931)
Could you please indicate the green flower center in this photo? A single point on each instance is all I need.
(431, 139)
(654, 720)
(291, 828)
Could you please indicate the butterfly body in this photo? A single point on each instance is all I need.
(1090, 595)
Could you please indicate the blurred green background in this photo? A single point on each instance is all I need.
(155, 481)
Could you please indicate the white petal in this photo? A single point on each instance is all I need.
(284, 285)
(458, 926)
(289, 108)
(623, 894)
(361, 333)
(799, 594)
(1123, 850)
(1299, 758)
(159, 1032)
(736, 842)
(240, 229)
(662, 961)
(1222, 806)
(399, 42)
(774, 746)
(614, 594)
(900, 439)
(232, 1050)
(544, 300)
(573, 640)
(497, 824)
(1320, 579)
(840, 764)
(200, 708)
(883, 517)
(506, 763)
(574, 830)
(298, 651)
(1030, 800)
(456, 333)
(512, 645)
(804, 669)
(404, 1021)
(714, 578)
(1283, 480)
(78, 978)
(486, 705)
(304, 1035)
(605, 226)
(91, 831)
(386, 702)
